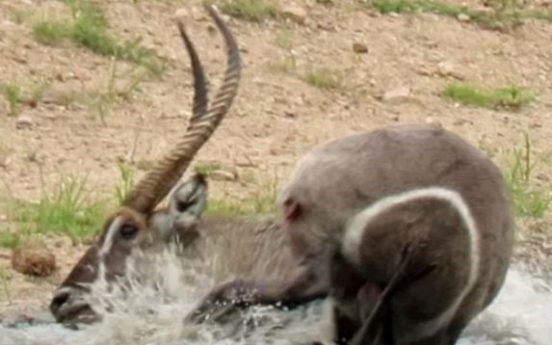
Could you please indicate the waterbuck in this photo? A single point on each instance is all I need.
(415, 205)
(137, 225)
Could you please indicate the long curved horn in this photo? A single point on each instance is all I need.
(200, 88)
(159, 181)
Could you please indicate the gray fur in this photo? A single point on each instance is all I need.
(337, 180)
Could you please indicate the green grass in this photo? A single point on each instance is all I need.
(284, 39)
(325, 2)
(324, 78)
(250, 10)
(51, 32)
(13, 95)
(259, 204)
(19, 16)
(102, 100)
(9, 239)
(5, 285)
(67, 210)
(529, 201)
(261, 201)
(126, 182)
(206, 168)
(511, 97)
(18, 95)
(88, 28)
(508, 17)
(288, 65)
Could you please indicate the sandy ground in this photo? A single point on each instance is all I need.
(276, 117)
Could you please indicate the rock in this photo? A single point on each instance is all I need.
(397, 95)
(542, 177)
(224, 175)
(24, 122)
(33, 259)
(181, 14)
(211, 29)
(462, 122)
(294, 13)
(463, 17)
(360, 48)
(246, 163)
(290, 114)
(431, 121)
(447, 69)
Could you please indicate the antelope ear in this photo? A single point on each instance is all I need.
(189, 199)
(186, 206)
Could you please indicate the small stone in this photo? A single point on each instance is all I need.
(462, 122)
(32, 258)
(290, 114)
(24, 122)
(397, 95)
(294, 13)
(431, 121)
(181, 14)
(543, 177)
(246, 163)
(447, 69)
(224, 175)
(360, 48)
(211, 29)
(463, 17)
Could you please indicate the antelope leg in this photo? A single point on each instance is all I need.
(240, 294)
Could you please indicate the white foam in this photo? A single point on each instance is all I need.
(165, 289)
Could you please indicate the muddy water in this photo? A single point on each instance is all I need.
(151, 315)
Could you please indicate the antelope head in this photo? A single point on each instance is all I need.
(137, 224)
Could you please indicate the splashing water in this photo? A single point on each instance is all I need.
(149, 311)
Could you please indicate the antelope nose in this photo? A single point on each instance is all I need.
(60, 298)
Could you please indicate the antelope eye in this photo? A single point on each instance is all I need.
(128, 231)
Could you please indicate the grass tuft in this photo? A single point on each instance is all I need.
(324, 78)
(206, 168)
(9, 239)
(126, 182)
(68, 210)
(12, 93)
(506, 17)
(284, 39)
(260, 204)
(528, 200)
(5, 285)
(250, 10)
(19, 16)
(511, 97)
(88, 28)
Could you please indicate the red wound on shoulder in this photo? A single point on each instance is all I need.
(292, 210)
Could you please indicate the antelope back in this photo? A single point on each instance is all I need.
(243, 247)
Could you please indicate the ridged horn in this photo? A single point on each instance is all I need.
(200, 88)
(158, 182)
